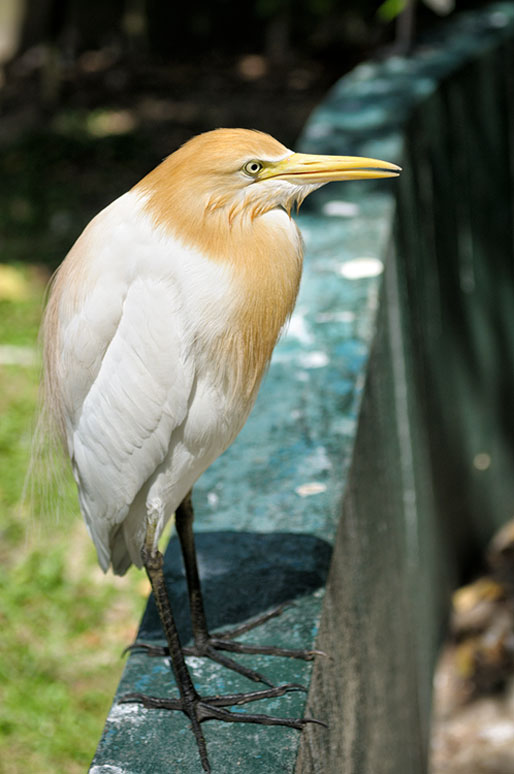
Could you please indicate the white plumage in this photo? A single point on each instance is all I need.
(160, 324)
(162, 320)
(147, 404)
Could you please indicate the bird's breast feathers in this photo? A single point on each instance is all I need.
(244, 299)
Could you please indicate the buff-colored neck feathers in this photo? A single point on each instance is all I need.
(199, 191)
(200, 196)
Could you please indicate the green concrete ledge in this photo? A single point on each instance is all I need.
(382, 432)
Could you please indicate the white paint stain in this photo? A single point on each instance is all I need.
(123, 712)
(341, 209)
(193, 662)
(298, 329)
(316, 359)
(212, 499)
(312, 488)
(344, 316)
(361, 268)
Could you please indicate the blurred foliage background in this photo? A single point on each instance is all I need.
(93, 93)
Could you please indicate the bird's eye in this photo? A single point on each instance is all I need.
(252, 167)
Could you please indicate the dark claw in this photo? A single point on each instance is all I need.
(254, 622)
(151, 650)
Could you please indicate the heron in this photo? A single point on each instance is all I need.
(160, 324)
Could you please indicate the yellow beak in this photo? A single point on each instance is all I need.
(308, 168)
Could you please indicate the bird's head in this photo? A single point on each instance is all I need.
(245, 172)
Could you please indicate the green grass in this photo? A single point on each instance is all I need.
(63, 623)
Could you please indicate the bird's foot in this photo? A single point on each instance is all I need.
(209, 646)
(201, 708)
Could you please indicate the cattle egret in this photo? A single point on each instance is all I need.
(159, 327)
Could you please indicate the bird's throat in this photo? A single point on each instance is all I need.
(263, 255)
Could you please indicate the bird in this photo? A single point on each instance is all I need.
(159, 327)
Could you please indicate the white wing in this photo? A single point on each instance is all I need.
(139, 397)
(125, 376)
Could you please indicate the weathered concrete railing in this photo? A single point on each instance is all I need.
(388, 401)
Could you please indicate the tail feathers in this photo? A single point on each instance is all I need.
(98, 531)
(127, 541)
(100, 538)
(120, 557)
(119, 545)
(115, 550)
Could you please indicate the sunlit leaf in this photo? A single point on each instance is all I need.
(390, 9)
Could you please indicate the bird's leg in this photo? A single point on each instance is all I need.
(199, 709)
(205, 643)
(184, 517)
(153, 562)
(208, 645)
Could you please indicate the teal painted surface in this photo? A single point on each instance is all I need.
(419, 506)
(268, 510)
